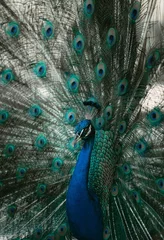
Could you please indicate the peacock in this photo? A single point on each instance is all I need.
(81, 120)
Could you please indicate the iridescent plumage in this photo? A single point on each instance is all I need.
(81, 120)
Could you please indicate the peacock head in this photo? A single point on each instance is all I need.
(84, 130)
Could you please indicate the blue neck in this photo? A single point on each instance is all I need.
(83, 208)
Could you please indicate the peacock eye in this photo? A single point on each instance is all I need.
(135, 11)
(41, 189)
(155, 117)
(12, 29)
(99, 123)
(12, 209)
(112, 37)
(73, 83)
(63, 229)
(38, 233)
(100, 71)
(48, 30)
(7, 76)
(122, 87)
(136, 196)
(79, 43)
(108, 113)
(35, 111)
(122, 127)
(21, 172)
(4, 115)
(114, 190)
(41, 142)
(9, 150)
(106, 233)
(70, 116)
(141, 147)
(126, 168)
(40, 69)
(57, 164)
(89, 8)
(160, 184)
(153, 59)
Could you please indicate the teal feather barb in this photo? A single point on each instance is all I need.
(81, 120)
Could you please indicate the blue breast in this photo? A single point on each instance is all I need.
(83, 208)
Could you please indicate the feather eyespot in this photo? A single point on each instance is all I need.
(114, 190)
(136, 196)
(40, 69)
(70, 116)
(141, 147)
(122, 127)
(126, 168)
(73, 83)
(62, 230)
(57, 164)
(9, 150)
(41, 142)
(12, 29)
(41, 189)
(135, 11)
(99, 123)
(35, 111)
(12, 209)
(160, 184)
(122, 87)
(108, 113)
(112, 37)
(21, 172)
(38, 233)
(100, 71)
(153, 59)
(106, 233)
(155, 117)
(118, 149)
(89, 8)
(47, 30)
(7, 76)
(4, 116)
(79, 43)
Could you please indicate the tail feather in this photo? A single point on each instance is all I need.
(54, 56)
